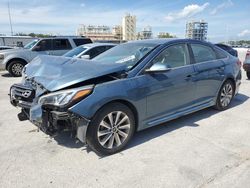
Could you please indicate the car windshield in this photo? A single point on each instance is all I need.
(31, 44)
(75, 52)
(128, 53)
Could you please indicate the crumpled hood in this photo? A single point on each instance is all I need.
(55, 73)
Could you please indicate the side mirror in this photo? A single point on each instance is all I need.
(157, 68)
(85, 57)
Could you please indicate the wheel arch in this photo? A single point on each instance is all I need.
(232, 80)
(15, 59)
(126, 103)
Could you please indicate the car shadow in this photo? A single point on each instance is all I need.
(188, 120)
(6, 75)
(66, 139)
(146, 135)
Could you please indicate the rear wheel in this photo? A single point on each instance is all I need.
(15, 68)
(111, 129)
(248, 75)
(225, 95)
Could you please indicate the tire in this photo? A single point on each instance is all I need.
(248, 75)
(225, 95)
(107, 139)
(15, 68)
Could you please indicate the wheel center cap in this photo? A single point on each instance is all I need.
(114, 129)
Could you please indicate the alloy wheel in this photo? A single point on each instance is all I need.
(17, 69)
(113, 130)
(226, 95)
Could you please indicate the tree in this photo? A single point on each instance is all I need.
(39, 35)
(166, 35)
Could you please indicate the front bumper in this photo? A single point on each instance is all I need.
(50, 121)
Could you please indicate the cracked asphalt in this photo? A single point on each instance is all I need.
(204, 149)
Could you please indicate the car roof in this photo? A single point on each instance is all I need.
(169, 40)
(219, 44)
(64, 37)
(91, 45)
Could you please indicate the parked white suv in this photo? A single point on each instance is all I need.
(14, 60)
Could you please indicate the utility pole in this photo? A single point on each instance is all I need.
(11, 29)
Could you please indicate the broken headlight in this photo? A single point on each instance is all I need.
(65, 97)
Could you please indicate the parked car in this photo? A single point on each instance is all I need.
(246, 64)
(131, 87)
(5, 47)
(15, 59)
(89, 51)
(228, 49)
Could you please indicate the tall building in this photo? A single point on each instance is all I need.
(129, 27)
(197, 30)
(146, 33)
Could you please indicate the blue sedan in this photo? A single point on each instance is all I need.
(128, 88)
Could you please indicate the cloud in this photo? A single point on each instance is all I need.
(222, 6)
(186, 12)
(82, 5)
(244, 33)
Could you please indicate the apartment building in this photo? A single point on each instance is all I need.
(197, 30)
(129, 27)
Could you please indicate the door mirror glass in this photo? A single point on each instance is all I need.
(85, 57)
(158, 68)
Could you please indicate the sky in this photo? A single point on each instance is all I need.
(227, 19)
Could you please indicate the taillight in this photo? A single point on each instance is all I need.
(239, 63)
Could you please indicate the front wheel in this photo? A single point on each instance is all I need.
(15, 68)
(111, 129)
(225, 95)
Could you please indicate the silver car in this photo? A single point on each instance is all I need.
(89, 51)
(14, 60)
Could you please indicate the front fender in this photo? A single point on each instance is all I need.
(124, 89)
(26, 57)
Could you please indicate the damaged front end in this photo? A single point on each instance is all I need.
(49, 111)
(52, 85)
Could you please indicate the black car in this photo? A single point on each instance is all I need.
(229, 49)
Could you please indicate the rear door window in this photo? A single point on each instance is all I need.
(61, 44)
(220, 53)
(203, 53)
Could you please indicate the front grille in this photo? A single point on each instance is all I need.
(22, 93)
